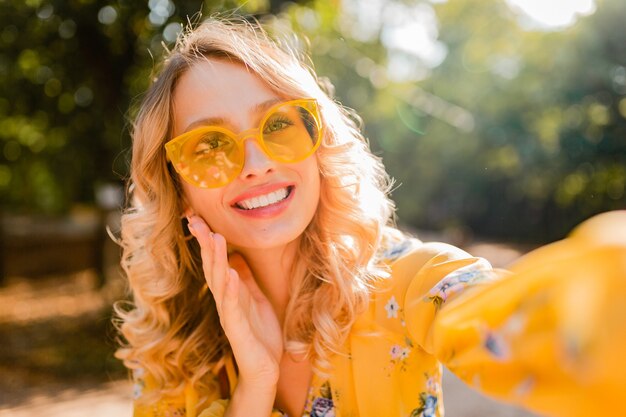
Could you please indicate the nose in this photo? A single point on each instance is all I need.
(256, 163)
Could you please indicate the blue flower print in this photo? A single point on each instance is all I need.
(428, 406)
(497, 346)
(140, 384)
(453, 283)
(498, 341)
(322, 404)
(322, 407)
(138, 388)
(397, 250)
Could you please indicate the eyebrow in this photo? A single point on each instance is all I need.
(221, 121)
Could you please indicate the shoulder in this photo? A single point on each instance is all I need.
(415, 269)
(405, 257)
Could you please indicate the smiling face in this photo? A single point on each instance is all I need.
(269, 203)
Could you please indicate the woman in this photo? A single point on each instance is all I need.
(268, 278)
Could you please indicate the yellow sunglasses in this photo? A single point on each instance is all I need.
(212, 156)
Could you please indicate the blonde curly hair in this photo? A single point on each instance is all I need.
(171, 329)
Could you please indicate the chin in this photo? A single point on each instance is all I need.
(266, 240)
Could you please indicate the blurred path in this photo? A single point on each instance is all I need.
(108, 400)
(462, 401)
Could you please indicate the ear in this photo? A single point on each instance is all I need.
(188, 211)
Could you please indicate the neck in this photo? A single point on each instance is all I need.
(272, 268)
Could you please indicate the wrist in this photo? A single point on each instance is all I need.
(264, 386)
(251, 400)
(264, 374)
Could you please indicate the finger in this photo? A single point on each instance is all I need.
(230, 302)
(219, 268)
(199, 228)
(201, 231)
(239, 264)
(232, 316)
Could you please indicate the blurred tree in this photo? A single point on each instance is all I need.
(516, 133)
(68, 73)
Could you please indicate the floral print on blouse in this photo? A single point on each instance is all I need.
(320, 402)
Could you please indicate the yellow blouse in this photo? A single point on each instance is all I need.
(550, 335)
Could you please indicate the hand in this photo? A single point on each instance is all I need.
(247, 317)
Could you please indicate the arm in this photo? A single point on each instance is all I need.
(549, 336)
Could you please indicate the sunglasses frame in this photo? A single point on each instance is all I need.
(173, 148)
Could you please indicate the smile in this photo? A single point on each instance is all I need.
(265, 200)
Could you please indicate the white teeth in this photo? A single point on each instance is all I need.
(264, 200)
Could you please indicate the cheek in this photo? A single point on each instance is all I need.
(201, 200)
(313, 182)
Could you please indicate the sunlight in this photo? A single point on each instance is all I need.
(555, 14)
(409, 33)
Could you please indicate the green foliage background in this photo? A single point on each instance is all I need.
(516, 134)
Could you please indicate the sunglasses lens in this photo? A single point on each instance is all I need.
(210, 158)
(290, 133)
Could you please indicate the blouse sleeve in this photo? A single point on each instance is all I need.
(144, 405)
(148, 403)
(549, 335)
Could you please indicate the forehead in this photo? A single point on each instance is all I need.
(217, 88)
